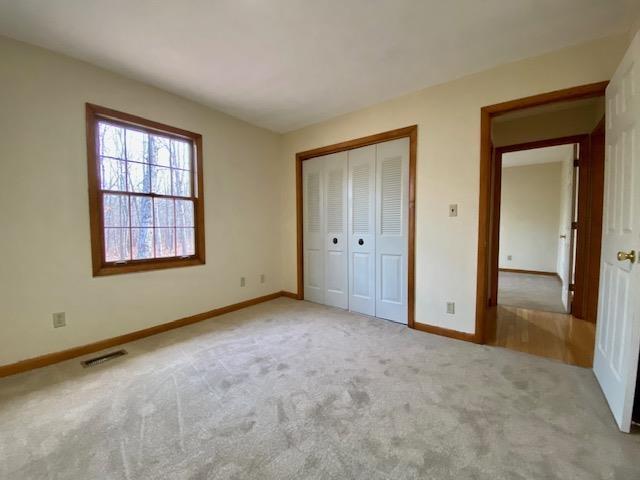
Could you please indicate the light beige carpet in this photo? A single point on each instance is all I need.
(292, 390)
(524, 290)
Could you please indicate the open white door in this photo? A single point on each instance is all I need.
(618, 330)
(568, 202)
(392, 212)
(313, 236)
(335, 243)
(362, 178)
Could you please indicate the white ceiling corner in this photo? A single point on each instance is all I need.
(284, 64)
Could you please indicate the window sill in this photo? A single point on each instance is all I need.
(145, 266)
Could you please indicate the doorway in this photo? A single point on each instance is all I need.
(538, 274)
(543, 224)
(536, 245)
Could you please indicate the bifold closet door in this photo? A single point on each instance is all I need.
(313, 231)
(391, 243)
(362, 181)
(335, 238)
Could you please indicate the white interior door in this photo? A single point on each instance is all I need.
(313, 229)
(392, 211)
(568, 215)
(335, 241)
(362, 178)
(618, 329)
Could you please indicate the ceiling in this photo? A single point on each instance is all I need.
(284, 64)
(558, 153)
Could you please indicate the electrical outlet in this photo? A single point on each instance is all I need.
(59, 320)
(453, 210)
(509, 257)
(451, 308)
(242, 282)
(263, 278)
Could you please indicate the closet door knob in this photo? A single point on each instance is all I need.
(360, 241)
(335, 240)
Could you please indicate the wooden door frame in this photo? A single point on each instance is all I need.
(597, 156)
(582, 237)
(487, 184)
(411, 133)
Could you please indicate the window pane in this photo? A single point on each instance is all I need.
(185, 244)
(141, 211)
(116, 244)
(161, 180)
(141, 243)
(164, 214)
(184, 213)
(164, 242)
(116, 210)
(137, 146)
(111, 140)
(160, 150)
(139, 177)
(112, 174)
(181, 183)
(180, 154)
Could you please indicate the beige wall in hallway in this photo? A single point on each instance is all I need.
(46, 260)
(448, 119)
(530, 211)
(543, 126)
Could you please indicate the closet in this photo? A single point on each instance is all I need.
(355, 222)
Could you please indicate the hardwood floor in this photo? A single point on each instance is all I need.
(546, 334)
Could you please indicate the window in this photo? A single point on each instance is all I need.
(145, 193)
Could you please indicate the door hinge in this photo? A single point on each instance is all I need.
(572, 287)
(576, 162)
(574, 225)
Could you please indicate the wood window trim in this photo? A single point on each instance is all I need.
(95, 113)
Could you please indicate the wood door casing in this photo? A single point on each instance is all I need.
(597, 198)
(486, 184)
(583, 235)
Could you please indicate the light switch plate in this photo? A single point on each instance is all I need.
(59, 320)
(451, 308)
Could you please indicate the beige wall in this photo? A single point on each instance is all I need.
(530, 216)
(250, 194)
(448, 118)
(543, 126)
(44, 240)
